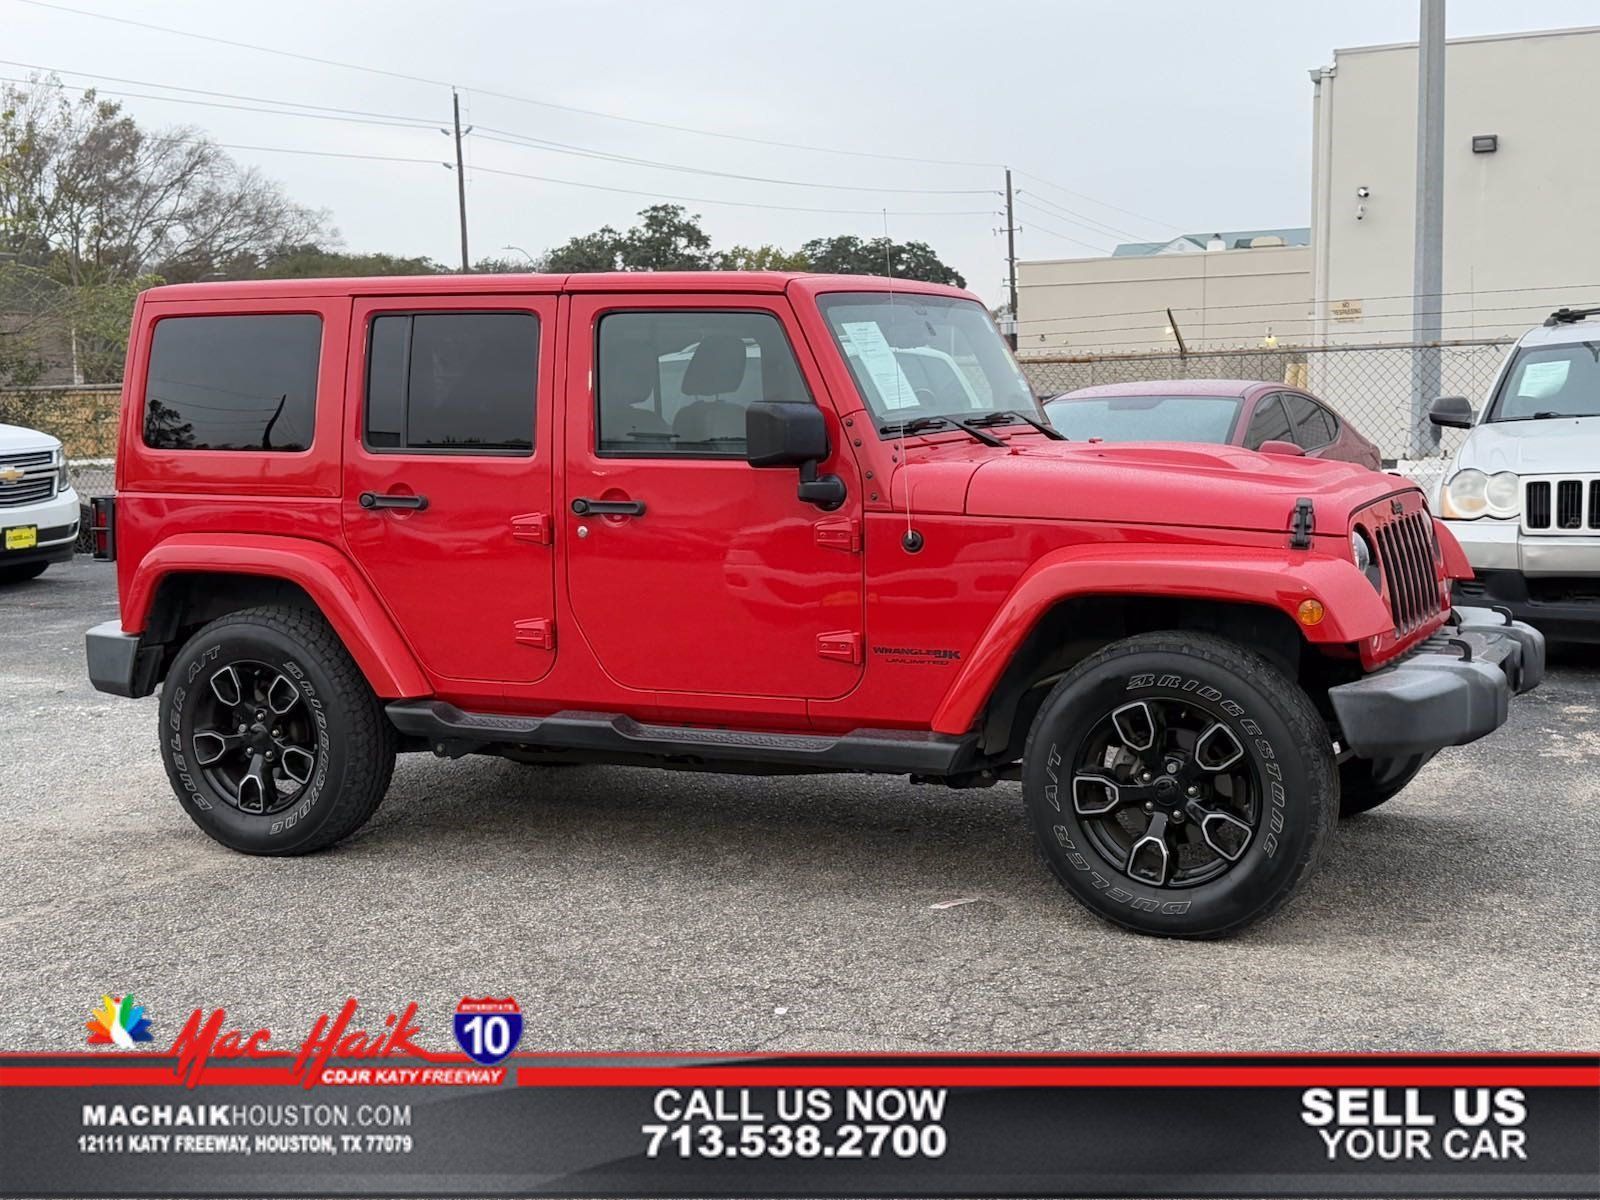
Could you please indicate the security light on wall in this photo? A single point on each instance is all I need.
(1485, 143)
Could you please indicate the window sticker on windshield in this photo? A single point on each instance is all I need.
(1542, 379)
(869, 344)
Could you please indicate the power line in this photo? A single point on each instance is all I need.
(844, 212)
(507, 137)
(1127, 212)
(1076, 218)
(1042, 228)
(277, 112)
(523, 141)
(588, 112)
(1034, 206)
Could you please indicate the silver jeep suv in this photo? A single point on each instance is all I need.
(1522, 495)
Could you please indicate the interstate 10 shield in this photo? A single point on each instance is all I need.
(488, 1029)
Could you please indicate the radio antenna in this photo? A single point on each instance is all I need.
(912, 541)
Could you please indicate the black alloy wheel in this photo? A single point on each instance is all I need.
(253, 737)
(1165, 788)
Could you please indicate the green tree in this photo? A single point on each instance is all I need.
(597, 251)
(312, 261)
(666, 239)
(850, 255)
(760, 258)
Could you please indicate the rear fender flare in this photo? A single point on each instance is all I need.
(332, 581)
(1275, 578)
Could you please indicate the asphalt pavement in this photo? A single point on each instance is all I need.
(628, 909)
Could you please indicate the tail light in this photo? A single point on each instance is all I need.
(103, 527)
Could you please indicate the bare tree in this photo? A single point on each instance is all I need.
(91, 197)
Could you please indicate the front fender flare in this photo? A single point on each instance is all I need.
(1270, 577)
(327, 576)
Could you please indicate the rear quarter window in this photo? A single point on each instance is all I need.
(245, 383)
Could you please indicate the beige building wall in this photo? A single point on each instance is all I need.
(1519, 223)
(1220, 299)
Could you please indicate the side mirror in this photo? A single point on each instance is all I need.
(1277, 446)
(791, 434)
(784, 434)
(1451, 412)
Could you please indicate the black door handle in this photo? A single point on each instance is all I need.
(373, 500)
(608, 508)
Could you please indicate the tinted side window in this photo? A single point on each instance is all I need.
(452, 381)
(233, 383)
(1270, 423)
(678, 383)
(1315, 424)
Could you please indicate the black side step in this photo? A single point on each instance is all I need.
(879, 751)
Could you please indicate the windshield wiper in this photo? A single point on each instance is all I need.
(928, 424)
(1007, 417)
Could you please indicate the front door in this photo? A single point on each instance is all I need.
(689, 571)
(447, 503)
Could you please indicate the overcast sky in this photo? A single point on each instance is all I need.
(1193, 116)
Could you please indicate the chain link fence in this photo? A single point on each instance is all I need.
(1370, 385)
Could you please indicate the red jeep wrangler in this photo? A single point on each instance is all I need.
(759, 523)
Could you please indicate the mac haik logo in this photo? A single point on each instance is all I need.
(118, 1022)
(488, 1029)
(206, 1037)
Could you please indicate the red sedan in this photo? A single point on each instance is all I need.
(1237, 412)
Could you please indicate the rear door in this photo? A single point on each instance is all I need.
(447, 501)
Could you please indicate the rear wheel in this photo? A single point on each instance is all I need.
(272, 739)
(1180, 784)
(22, 572)
(1365, 783)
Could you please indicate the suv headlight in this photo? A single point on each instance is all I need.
(1471, 494)
(63, 475)
(1366, 560)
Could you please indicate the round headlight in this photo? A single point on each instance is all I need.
(1501, 494)
(1360, 551)
(1465, 493)
(1366, 560)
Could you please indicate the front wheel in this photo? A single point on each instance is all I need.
(272, 739)
(1365, 783)
(1179, 784)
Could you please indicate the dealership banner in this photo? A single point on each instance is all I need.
(357, 1106)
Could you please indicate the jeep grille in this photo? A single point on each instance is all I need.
(1408, 553)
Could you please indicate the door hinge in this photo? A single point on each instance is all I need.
(843, 646)
(532, 527)
(539, 632)
(842, 533)
(1302, 525)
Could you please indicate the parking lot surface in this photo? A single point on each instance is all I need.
(645, 910)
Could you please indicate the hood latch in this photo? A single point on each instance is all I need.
(1302, 524)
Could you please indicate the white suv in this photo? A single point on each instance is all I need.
(38, 507)
(1522, 495)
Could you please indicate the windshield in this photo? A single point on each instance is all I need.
(915, 356)
(1551, 381)
(1145, 418)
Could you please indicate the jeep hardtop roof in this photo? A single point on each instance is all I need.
(607, 281)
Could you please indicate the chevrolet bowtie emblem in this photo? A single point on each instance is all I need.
(10, 475)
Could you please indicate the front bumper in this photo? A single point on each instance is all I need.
(1455, 688)
(1552, 581)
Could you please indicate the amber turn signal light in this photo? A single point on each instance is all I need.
(1311, 612)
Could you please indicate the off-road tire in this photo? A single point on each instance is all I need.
(1365, 783)
(1286, 747)
(355, 743)
(22, 572)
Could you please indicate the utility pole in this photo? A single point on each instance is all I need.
(1011, 257)
(1428, 268)
(461, 181)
